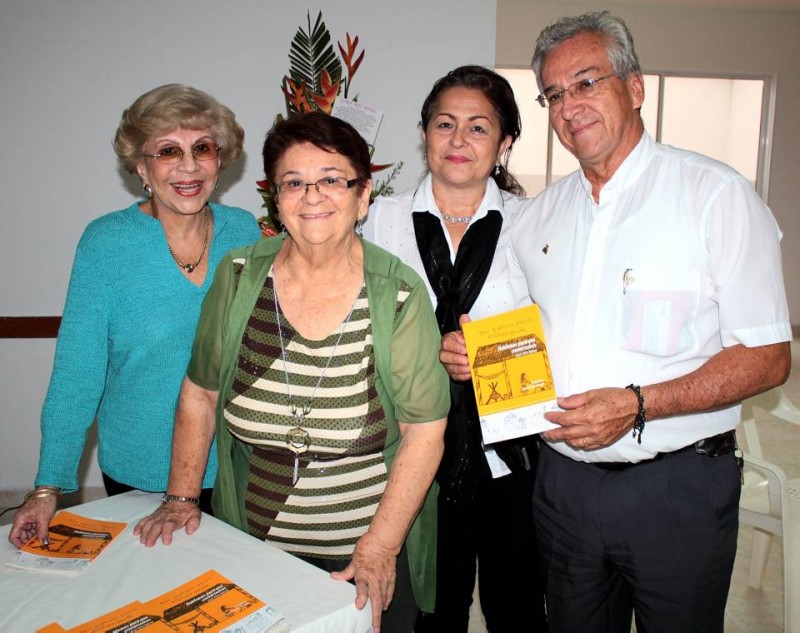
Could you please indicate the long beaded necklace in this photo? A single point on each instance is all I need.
(298, 438)
(189, 268)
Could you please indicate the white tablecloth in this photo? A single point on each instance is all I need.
(306, 596)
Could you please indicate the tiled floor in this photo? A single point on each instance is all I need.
(748, 609)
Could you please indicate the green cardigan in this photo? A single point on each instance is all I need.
(410, 381)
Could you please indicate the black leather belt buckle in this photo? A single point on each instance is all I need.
(717, 445)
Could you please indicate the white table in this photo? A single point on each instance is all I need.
(306, 596)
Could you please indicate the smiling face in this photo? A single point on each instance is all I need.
(312, 217)
(600, 131)
(182, 188)
(463, 139)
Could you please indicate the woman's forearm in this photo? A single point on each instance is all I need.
(191, 439)
(411, 475)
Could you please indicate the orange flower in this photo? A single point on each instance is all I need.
(347, 56)
(295, 95)
(330, 90)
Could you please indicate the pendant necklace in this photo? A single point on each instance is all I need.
(298, 438)
(455, 219)
(189, 268)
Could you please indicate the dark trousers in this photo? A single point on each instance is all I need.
(116, 488)
(496, 530)
(657, 539)
(400, 616)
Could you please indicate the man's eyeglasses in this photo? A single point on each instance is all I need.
(581, 89)
(329, 186)
(171, 155)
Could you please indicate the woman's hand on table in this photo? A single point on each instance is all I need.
(170, 516)
(33, 519)
(373, 568)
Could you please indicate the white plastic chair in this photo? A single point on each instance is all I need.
(771, 503)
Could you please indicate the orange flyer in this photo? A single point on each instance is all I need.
(132, 617)
(212, 603)
(511, 373)
(75, 541)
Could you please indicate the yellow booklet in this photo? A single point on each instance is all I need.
(510, 374)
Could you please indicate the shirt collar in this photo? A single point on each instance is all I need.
(628, 172)
(424, 201)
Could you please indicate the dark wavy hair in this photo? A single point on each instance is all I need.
(323, 131)
(499, 93)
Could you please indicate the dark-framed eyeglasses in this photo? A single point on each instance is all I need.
(581, 89)
(328, 186)
(172, 154)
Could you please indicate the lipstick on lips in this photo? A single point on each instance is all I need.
(189, 188)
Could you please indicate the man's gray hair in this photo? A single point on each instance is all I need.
(619, 41)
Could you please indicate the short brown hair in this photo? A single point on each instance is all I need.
(323, 131)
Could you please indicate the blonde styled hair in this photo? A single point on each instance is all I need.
(171, 106)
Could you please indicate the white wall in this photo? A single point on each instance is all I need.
(686, 39)
(68, 69)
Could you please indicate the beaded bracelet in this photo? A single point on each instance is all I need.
(641, 414)
(168, 498)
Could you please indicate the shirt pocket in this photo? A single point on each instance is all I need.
(658, 311)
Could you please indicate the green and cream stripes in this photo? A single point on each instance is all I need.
(343, 474)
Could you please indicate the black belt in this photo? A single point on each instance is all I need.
(715, 446)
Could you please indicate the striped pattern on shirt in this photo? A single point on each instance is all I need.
(343, 474)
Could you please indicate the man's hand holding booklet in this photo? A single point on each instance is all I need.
(511, 374)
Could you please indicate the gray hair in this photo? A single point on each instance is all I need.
(619, 41)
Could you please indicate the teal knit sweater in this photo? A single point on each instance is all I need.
(123, 347)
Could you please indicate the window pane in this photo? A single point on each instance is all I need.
(528, 161)
(717, 117)
(650, 105)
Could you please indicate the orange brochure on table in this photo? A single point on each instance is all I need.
(511, 374)
(211, 603)
(131, 617)
(75, 541)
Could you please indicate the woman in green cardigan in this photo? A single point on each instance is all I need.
(316, 365)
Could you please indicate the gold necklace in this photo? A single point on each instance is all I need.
(189, 268)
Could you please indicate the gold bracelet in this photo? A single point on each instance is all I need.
(168, 498)
(42, 492)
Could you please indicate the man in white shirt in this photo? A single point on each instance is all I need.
(658, 275)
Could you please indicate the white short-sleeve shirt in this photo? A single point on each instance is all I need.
(678, 259)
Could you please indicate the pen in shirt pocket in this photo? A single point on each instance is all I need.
(627, 279)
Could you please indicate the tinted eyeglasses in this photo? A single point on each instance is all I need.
(172, 154)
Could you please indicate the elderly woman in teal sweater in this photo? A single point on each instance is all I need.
(138, 281)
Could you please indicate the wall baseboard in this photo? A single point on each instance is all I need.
(29, 327)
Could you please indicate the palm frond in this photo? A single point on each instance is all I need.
(311, 53)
